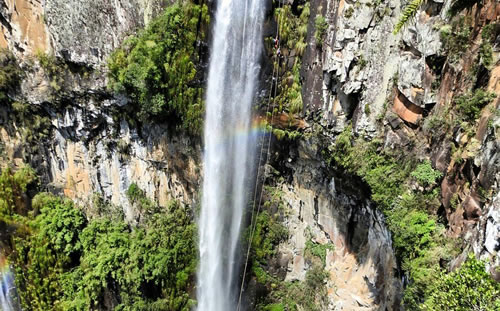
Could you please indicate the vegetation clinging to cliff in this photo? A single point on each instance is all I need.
(418, 235)
(157, 68)
(293, 31)
(9, 73)
(468, 288)
(65, 262)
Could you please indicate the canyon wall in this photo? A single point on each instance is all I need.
(387, 86)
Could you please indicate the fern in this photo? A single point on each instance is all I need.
(409, 12)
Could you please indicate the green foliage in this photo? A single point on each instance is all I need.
(348, 12)
(418, 238)
(425, 174)
(41, 256)
(469, 287)
(159, 258)
(268, 233)
(53, 68)
(408, 13)
(362, 62)
(157, 68)
(321, 27)
(9, 73)
(317, 250)
(488, 36)
(138, 197)
(486, 54)
(381, 170)
(12, 188)
(65, 262)
(59, 224)
(471, 104)
(294, 296)
(293, 30)
(285, 134)
(455, 38)
(367, 110)
(274, 307)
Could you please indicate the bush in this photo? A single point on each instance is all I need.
(268, 233)
(13, 187)
(317, 250)
(321, 27)
(425, 174)
(471, 104)
(9, 73)
(65, 262)
(468, 288)
(157, 68)
(41, 256)
(488, 35)
(455, 38)
(141, 266)
(138, 197)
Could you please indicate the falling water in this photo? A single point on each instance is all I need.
(229, 148)
(8, 295)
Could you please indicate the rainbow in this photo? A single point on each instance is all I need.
(8, 293)
(257, 129)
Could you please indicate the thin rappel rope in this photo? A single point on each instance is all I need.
(253, 219)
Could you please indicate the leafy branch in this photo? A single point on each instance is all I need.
(409, 12)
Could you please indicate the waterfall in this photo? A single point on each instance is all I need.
(8, 293)
(229, 148)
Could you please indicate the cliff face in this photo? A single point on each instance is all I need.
(392, 87)
(89, 150)
(389, 87)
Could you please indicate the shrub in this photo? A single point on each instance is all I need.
(471, 104)
(455, 38)
(468, 288)
(348, 12)
(362, 62)
(274, 307)
(317, 250)
(41, 256)
(157, 68)
(53, 68)
(425, 174)
(137, 196)
(488, 35)
(13, 187)
(321, 27)
(293, 34)
(64, 262)
(268, 233)
(9, 73)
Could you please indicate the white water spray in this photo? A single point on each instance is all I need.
(8, 294)
(229, 148)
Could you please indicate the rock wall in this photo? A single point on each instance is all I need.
(90, 148)
(362, 73)
(332, 209)
(392, 86)
(83, 32)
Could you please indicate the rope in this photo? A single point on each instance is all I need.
(253, 219)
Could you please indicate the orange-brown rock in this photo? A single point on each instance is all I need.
(406, 110)
(28, 29)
